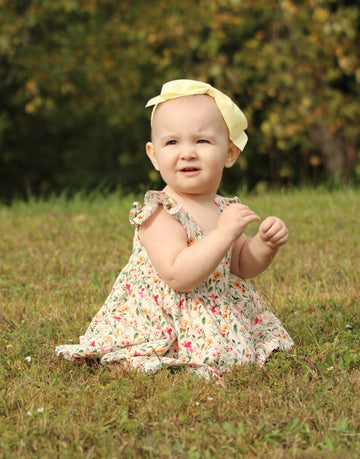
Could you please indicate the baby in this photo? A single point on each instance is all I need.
(183, 299)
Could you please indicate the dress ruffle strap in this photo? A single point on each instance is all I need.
(140, 213)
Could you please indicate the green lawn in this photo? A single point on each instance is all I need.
(58, 261)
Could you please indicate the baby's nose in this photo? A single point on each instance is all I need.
(188, 152)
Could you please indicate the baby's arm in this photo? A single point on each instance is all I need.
(184, 267)
(252, 256)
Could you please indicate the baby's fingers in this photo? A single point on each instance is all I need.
(251, 218)
(240, 212)
(279, 238)
(247, 216)
(267, 224)
(246, 212)
(274, 230)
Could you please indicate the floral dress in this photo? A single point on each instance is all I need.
(145, 324)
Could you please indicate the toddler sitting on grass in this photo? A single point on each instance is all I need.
(183, 299)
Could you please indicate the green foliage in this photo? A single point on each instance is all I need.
(59, 258)
(75, 75)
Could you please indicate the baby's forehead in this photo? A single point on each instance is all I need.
(176, 113)
(197, 100)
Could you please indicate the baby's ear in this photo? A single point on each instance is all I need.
(233, 155)
(151, 154)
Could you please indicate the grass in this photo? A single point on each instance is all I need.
(58, 260)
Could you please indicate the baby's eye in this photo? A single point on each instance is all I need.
(171, 142)
(202, 141)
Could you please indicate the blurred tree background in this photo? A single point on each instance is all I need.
(75, 76)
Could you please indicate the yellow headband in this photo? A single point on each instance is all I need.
(234, 118)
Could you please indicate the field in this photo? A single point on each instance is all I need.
(58, 260)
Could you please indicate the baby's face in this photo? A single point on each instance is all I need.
(190, 144)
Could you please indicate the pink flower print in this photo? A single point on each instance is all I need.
(214, 310)
(136, 353)
(116, 318)
(258, 320)
(156, 298)
(213, 297)
(168, 331)
(92, 343)
(141, 293)
(127, 289)
(187, 344)
(181, 304)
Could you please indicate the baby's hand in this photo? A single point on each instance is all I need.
(273, 232)
(234, 220)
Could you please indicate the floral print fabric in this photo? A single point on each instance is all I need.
(145, 324)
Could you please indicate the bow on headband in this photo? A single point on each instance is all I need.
(234, 118)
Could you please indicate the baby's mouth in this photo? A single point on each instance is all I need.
(189, 169)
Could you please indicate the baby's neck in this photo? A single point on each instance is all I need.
(188, 199)
(201, 207)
